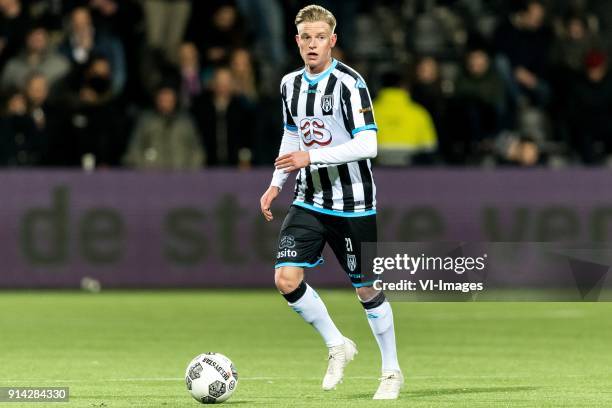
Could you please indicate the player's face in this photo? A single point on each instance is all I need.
(315, 41)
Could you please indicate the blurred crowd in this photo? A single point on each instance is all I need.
(185, 84)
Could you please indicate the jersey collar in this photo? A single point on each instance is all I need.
(322, 75)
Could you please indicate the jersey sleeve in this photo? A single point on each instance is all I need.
(287, 118)
(289, 143)
(357, 110)
(359, 148)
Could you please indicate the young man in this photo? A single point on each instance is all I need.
(329, 137)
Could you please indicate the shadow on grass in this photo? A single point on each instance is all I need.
(471, 390)
(164, 404)
(453, 391)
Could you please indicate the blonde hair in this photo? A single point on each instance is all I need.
(312, 13)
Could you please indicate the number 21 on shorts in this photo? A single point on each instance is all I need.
(349, 244)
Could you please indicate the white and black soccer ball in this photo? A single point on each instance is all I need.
(211, 378)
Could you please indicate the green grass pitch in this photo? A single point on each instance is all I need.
(130, 349)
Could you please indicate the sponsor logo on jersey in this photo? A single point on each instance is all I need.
(313, 132)
(360, 84)
(327, 103)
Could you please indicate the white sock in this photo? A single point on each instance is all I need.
(313, 310)
(380, 319)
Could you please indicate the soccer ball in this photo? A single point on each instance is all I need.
(211, 378)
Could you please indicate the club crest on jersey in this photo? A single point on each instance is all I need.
(351, 262)
(327, 103)
(313, 132)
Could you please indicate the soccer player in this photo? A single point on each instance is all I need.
(329, 137)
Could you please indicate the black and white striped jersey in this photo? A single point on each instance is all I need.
(326, 111)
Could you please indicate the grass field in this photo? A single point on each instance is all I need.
(130, 349)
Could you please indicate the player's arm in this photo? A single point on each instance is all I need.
(363, 146)
(289, 143)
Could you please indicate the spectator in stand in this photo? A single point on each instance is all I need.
(13, 25)
(406, 134)
(241, 65)
(51, 11)
(47, 117)
(478, 105)
(84, 41)
(38, 56)
(37, 95)
(94, 129)
(573, 43)
(266, 24)
(426, 90)
(523, 44)
(165, 139)
(20, 143)
(166, 22)
(511, 149)
(216, 38)
(590, 108)
(574, 40)
(190, 72)
(119, 17)
(225, 120)
(124, 19)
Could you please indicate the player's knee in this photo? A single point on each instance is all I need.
(285, 283)
(366, 293)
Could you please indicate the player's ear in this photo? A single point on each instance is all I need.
(297, 39)
(333, 40)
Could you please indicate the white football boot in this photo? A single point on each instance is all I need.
(339, 357)
(390, 384)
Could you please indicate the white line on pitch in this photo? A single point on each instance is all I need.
(170, 379)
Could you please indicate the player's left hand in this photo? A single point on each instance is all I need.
(292, 161)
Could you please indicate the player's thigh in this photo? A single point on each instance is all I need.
(345, 236)
(301, 240)
(288, 278)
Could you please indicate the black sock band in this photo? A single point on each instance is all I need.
(375, 301)
(297, 294)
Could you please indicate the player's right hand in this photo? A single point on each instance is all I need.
(266, 201)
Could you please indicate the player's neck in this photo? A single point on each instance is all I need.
(318, 71)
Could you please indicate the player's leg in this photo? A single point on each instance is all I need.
(301, 241)
(307, 303)
(346, 236)
(380, 318)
